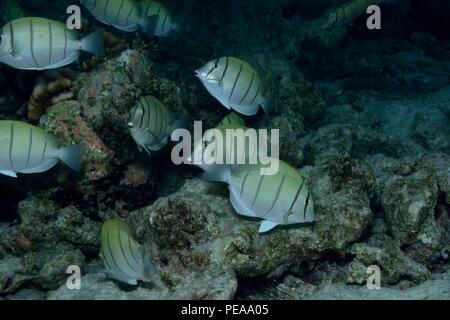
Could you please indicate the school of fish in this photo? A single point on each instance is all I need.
(35, 43)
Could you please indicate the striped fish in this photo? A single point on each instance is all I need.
(233, 119)
(10, 10)
(349, 12)
(279, 199)
(28, 149)
(38, 44)
(163, 24)
(125, 15)
(123, 257)
(235, 84)
(150, 124)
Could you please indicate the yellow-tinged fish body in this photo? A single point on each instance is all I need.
(125, 15)
(10, 10)
(235, 84)
(123, 257)
(232, 119)
(279, 199)
(163, 23)
(28, 149)
(349, 12)
(150, 124)
(37, 44)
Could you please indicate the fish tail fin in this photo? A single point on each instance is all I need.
(93, 43)
(148, 25)
(219, 173)
(72, 156)
(267, 104)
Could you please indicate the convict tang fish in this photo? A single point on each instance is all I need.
(151, 124)
(37, 44)
(236, 85)
(28, 149)
(125, 15)
(279, 199)
(124, 258)
(163, 24)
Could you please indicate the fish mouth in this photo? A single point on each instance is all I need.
(198, 74)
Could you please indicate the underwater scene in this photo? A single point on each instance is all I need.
(224, 149)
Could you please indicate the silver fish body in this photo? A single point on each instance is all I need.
(150, 124)
(123, 257)
(38, 44)
(163, 23)
(125, 15)
(28, 149)
(279, 199)
(235, 84)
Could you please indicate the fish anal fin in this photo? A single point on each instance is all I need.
(266, 226)
(9, 173)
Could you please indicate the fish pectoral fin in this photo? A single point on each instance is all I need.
(140, 148)
(266, 226)
(9, 173)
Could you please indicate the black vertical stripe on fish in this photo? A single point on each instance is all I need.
(225, 70)
(243, 183)
(32, 43)
(65, 44)
(159, 10)
(45, 149)
(120, 10)
(306, 206)
(108, 244)
(11, 140)
(124, 253)
(277, 195)
(148, 8)
(105, 10)
(50, 43)
(213, 67)
(102, 251)
(296, 197)
(136, 260)
(261, 179)
(235, 82)
(248, 89)
(141, 121)
(29, 148)
(129, 15)
(95, 4)
(149, 114)
(164, 22)
(156, 119)
(256, 95)
(12, 37)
